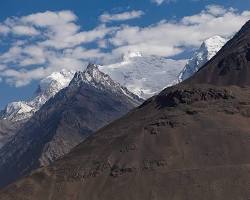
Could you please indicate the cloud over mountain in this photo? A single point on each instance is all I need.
(41, 43)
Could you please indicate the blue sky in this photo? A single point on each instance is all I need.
(101, 31)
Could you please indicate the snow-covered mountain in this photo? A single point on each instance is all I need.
(98, 79)
(145, 75)
(142, 75)
(208, 50)
(48, 87)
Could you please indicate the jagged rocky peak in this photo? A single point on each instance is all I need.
(207, 51)
(92, 75)
(100, 80)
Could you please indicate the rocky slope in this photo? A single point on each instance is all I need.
(207, 51)
(91, 101)
(189, 142)
(8, 130)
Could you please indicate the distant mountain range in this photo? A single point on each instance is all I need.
(143, 75)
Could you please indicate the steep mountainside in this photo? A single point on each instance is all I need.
(143, 75)
(48, 87)
(91, 101)
(207, 51)
(189, 142)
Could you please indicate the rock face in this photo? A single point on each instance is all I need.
(207, 51)
(189, 142)
(48, 87)
(7, 130)
(91, 101)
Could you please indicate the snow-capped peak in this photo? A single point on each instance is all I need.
(58, 79)
(47, 88)
(98, 79)
(208, 50)
(145, 75)
(213, 45)
(92, 75)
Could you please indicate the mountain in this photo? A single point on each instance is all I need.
(144, 75)
(91, 101)
(191, 141)
(231, 65)
(48, 87)
(207, 51)
(136, 72)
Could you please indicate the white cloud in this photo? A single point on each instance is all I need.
(170, 38)
(24, 30)
(2, 67)
(61, 40)
(4, 29)
(50, 18)
(57, 42)
(106, 17)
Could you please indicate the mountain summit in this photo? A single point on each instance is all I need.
(145, 75)
(231, 66)
(207, 51)
(98, 79)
